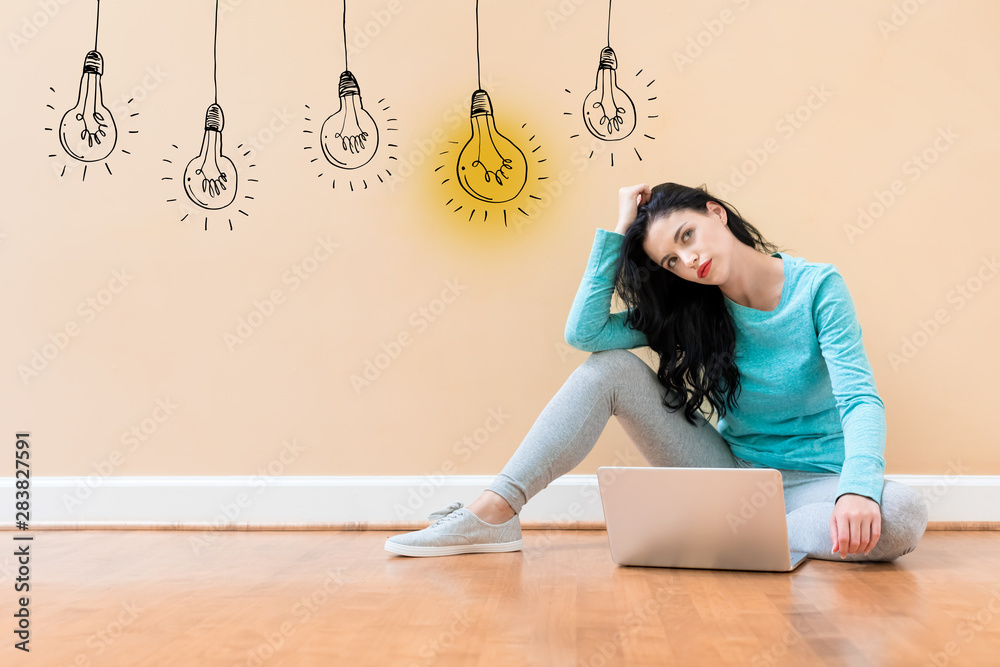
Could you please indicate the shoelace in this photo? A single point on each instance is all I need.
(445, 513)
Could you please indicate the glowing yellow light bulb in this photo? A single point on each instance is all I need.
(490, 166)
(350, 136)
(608, 112)
(210, 178)
(87, 131)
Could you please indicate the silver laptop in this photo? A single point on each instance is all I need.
(708, 518)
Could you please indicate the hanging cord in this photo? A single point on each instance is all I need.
(97, 28)
(479, 77)
(346, 68)
(215, 54)
(609, 22)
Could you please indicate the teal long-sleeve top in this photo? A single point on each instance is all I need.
(808, 399)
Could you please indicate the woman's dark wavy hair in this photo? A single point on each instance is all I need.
(686, 323)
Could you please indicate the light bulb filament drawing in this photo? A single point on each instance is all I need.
(352, 137)
(505, 163)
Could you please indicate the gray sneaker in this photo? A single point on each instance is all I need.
(457, 530)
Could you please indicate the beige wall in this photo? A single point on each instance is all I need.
(498, 346)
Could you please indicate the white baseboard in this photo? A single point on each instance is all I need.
(247, 502)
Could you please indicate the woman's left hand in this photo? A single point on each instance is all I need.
(855, 524)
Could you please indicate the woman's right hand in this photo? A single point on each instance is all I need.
(630, 198)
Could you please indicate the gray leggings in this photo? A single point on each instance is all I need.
(617, 382)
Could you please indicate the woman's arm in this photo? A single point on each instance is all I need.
(591, 327)
(862, 413)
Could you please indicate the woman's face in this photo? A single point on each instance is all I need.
(686, 241)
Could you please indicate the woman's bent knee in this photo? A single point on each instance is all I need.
(615, 362)
(904, 518)
(617, 367)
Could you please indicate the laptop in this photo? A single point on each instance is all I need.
(706, 518)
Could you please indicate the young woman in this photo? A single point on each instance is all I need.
(770, 340)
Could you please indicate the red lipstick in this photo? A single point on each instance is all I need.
(704, 269)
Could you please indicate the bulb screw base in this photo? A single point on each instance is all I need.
(481, 104)
(93, 63)
(214, 119)
(348, 84)
(608, 59)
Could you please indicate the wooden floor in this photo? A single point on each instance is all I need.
(148, 598)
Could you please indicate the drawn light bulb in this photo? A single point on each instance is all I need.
(349, 137)
(608, 112)
(490, 166)
(87, 131)
(210, 178)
